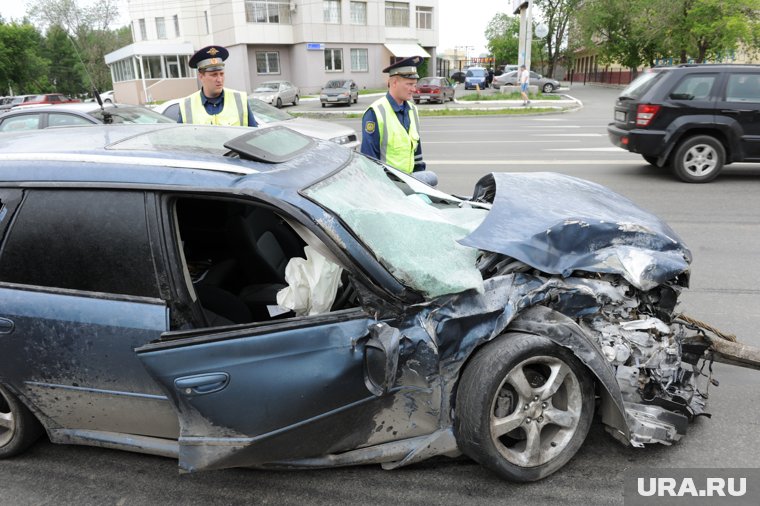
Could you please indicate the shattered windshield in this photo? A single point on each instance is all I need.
(413, 237)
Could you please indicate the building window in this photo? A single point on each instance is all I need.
(152, 67)
(334, 60)
(267, 62)
(358, 13)
(143, 31)
(331, 10)
(359, 60)
(425, 18)
(176, 25)
(123, 70)
(160, 28)
(396, 14)
(205, 17)
(268, 11)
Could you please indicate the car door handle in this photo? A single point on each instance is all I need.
(6, 326)
(202, 384)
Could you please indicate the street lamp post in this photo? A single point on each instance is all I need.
(524, 9)
(466, 54)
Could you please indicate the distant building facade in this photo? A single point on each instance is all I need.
(306, 42)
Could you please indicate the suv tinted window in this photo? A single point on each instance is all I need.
(743, 88)
(642, 84)
(693, 87)
(93, 241)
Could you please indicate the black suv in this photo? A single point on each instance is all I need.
(695, 118)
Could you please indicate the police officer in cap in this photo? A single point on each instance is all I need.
(390, 127)
(214, 104)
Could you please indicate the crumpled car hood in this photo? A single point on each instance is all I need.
(559, 224)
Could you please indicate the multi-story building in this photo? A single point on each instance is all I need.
(306, 42)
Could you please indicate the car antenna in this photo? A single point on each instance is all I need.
(107, 116)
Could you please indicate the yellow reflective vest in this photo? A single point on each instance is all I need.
(234, 112)
(397, 146)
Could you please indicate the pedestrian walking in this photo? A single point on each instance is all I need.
(214, 104)
(524, 79)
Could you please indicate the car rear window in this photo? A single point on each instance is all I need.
(642, 84)
(476, 73)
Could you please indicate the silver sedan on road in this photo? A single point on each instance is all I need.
(545, 84)
(276, 93)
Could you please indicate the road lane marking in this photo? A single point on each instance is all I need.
(494, 142)
(569, 135)
(535, 162)
(611, 149)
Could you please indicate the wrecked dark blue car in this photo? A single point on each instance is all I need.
(235, 297)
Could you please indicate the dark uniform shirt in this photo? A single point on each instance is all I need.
(215, 105)
(371, 136)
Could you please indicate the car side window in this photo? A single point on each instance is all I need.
(20, 123)
(693, 87)
(95, 241)
(743, 88)
(9, 200)
(57, 119)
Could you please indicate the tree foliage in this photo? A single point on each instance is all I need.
(556, 15)
(639, 32)
(22, 68)
(88, 33)
(503, 36)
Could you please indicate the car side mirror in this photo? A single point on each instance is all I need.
(381, 353)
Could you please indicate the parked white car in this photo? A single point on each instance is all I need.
(265, 114)
(277, 93)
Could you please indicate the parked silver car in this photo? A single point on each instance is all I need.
(277, 93)
(545, 84)
(339, 91)
(36, 117)
(267, 115)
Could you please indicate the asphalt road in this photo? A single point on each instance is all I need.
(720, 221)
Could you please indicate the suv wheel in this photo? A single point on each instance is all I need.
(699, 159)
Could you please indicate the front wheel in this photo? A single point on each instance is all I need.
(279, 103)
(295, 100)
(524, 407)
(18, 426)
(548, 88)
(699, 159)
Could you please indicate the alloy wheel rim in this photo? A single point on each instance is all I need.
(7, 421)
(700, 160)
(536, 411)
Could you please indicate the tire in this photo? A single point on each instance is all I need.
(18, 426)
(699, 159)
(416, 101)
(356, 100)
(548, 88)
(108, 101)
(323, 104)
(279, 103)
(295, 100)
(505, 385)
(651, 160)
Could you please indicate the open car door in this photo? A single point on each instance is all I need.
(268, 392)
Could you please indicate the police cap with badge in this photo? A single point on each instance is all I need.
(209, 59)
(406, 68)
